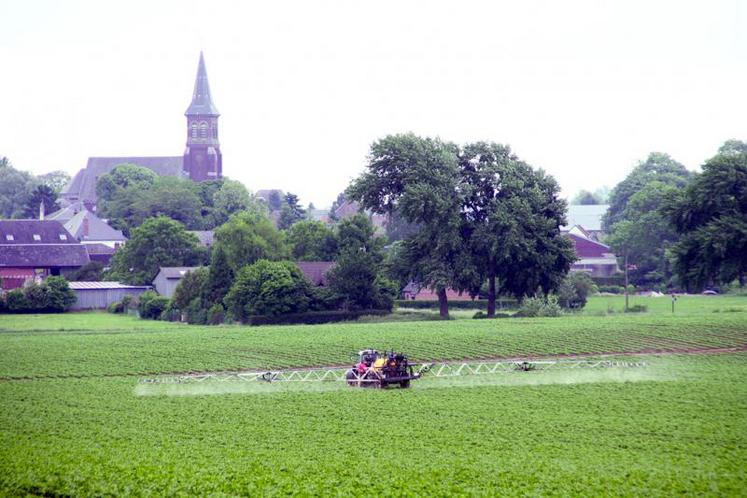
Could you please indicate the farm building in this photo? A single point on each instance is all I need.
(35, 249)
(168, 278)
(594, 257)
(99, 295)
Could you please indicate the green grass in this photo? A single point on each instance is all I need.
(72, 422)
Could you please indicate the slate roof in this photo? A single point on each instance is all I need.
(588, 217)
(23, 231)
(315, 271)
(43, 255)
(175, 272)
(97, 228)
(202, 102)
(98, 248)
(66, 212)
(83, 185)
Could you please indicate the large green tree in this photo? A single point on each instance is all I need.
(249, 236)
(710, 215)
(268, 288)
(357, 278)
(645, 234)
(15, 188)
(657, 167)
(634, 223)
(231, 198)
(418, 177)
(512, 216)
(157, 242)
(290, 212)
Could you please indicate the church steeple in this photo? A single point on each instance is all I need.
(202, 102)
(202, 157)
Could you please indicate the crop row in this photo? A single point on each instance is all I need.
(94, 437)
(112, 350)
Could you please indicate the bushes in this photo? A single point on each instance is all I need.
(115, 307)
(51, 296)
(312, 317)
(152, 305)
(539, 306)
(637, 308)
(453, 305)
(574, 290)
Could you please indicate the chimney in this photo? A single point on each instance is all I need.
(41, 210)
(85, 226)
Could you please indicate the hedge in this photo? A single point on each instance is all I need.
(312, 317)
(478, 304)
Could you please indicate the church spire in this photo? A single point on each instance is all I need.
(202, 103)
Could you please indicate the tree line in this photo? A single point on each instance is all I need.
(680, 229)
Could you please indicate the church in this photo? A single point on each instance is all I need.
(202, 159)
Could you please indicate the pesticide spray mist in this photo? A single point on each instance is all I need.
(535, 378)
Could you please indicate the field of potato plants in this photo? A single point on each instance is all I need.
(74, 420)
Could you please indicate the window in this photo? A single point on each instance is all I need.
(203, 130)
(63, 236)
(194, 130)
(9, 237)
(37, 237)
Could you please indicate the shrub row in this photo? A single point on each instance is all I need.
(312, 317)
(477, 304)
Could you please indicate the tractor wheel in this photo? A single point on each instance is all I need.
(405, 384)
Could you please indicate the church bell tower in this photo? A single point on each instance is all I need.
(202, 157)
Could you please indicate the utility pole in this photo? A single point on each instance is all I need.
(626, 278)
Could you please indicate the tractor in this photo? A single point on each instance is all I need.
(379, 370)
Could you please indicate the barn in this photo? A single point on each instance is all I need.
(99, 295)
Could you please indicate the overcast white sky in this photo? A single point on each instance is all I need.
(582, 89)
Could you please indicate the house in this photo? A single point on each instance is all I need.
(202, 159)
(86, 227)
(35, 249)
(99, 295)
(168, 278)
(594, 257)
(416, 292)
(315, 271)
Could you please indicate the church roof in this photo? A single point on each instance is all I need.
(83, 185)
(202, 102)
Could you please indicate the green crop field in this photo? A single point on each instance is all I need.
(74, 420)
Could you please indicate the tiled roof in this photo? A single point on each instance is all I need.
(43, 255)
(24, 232)
(83, 185)
(315, 271)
